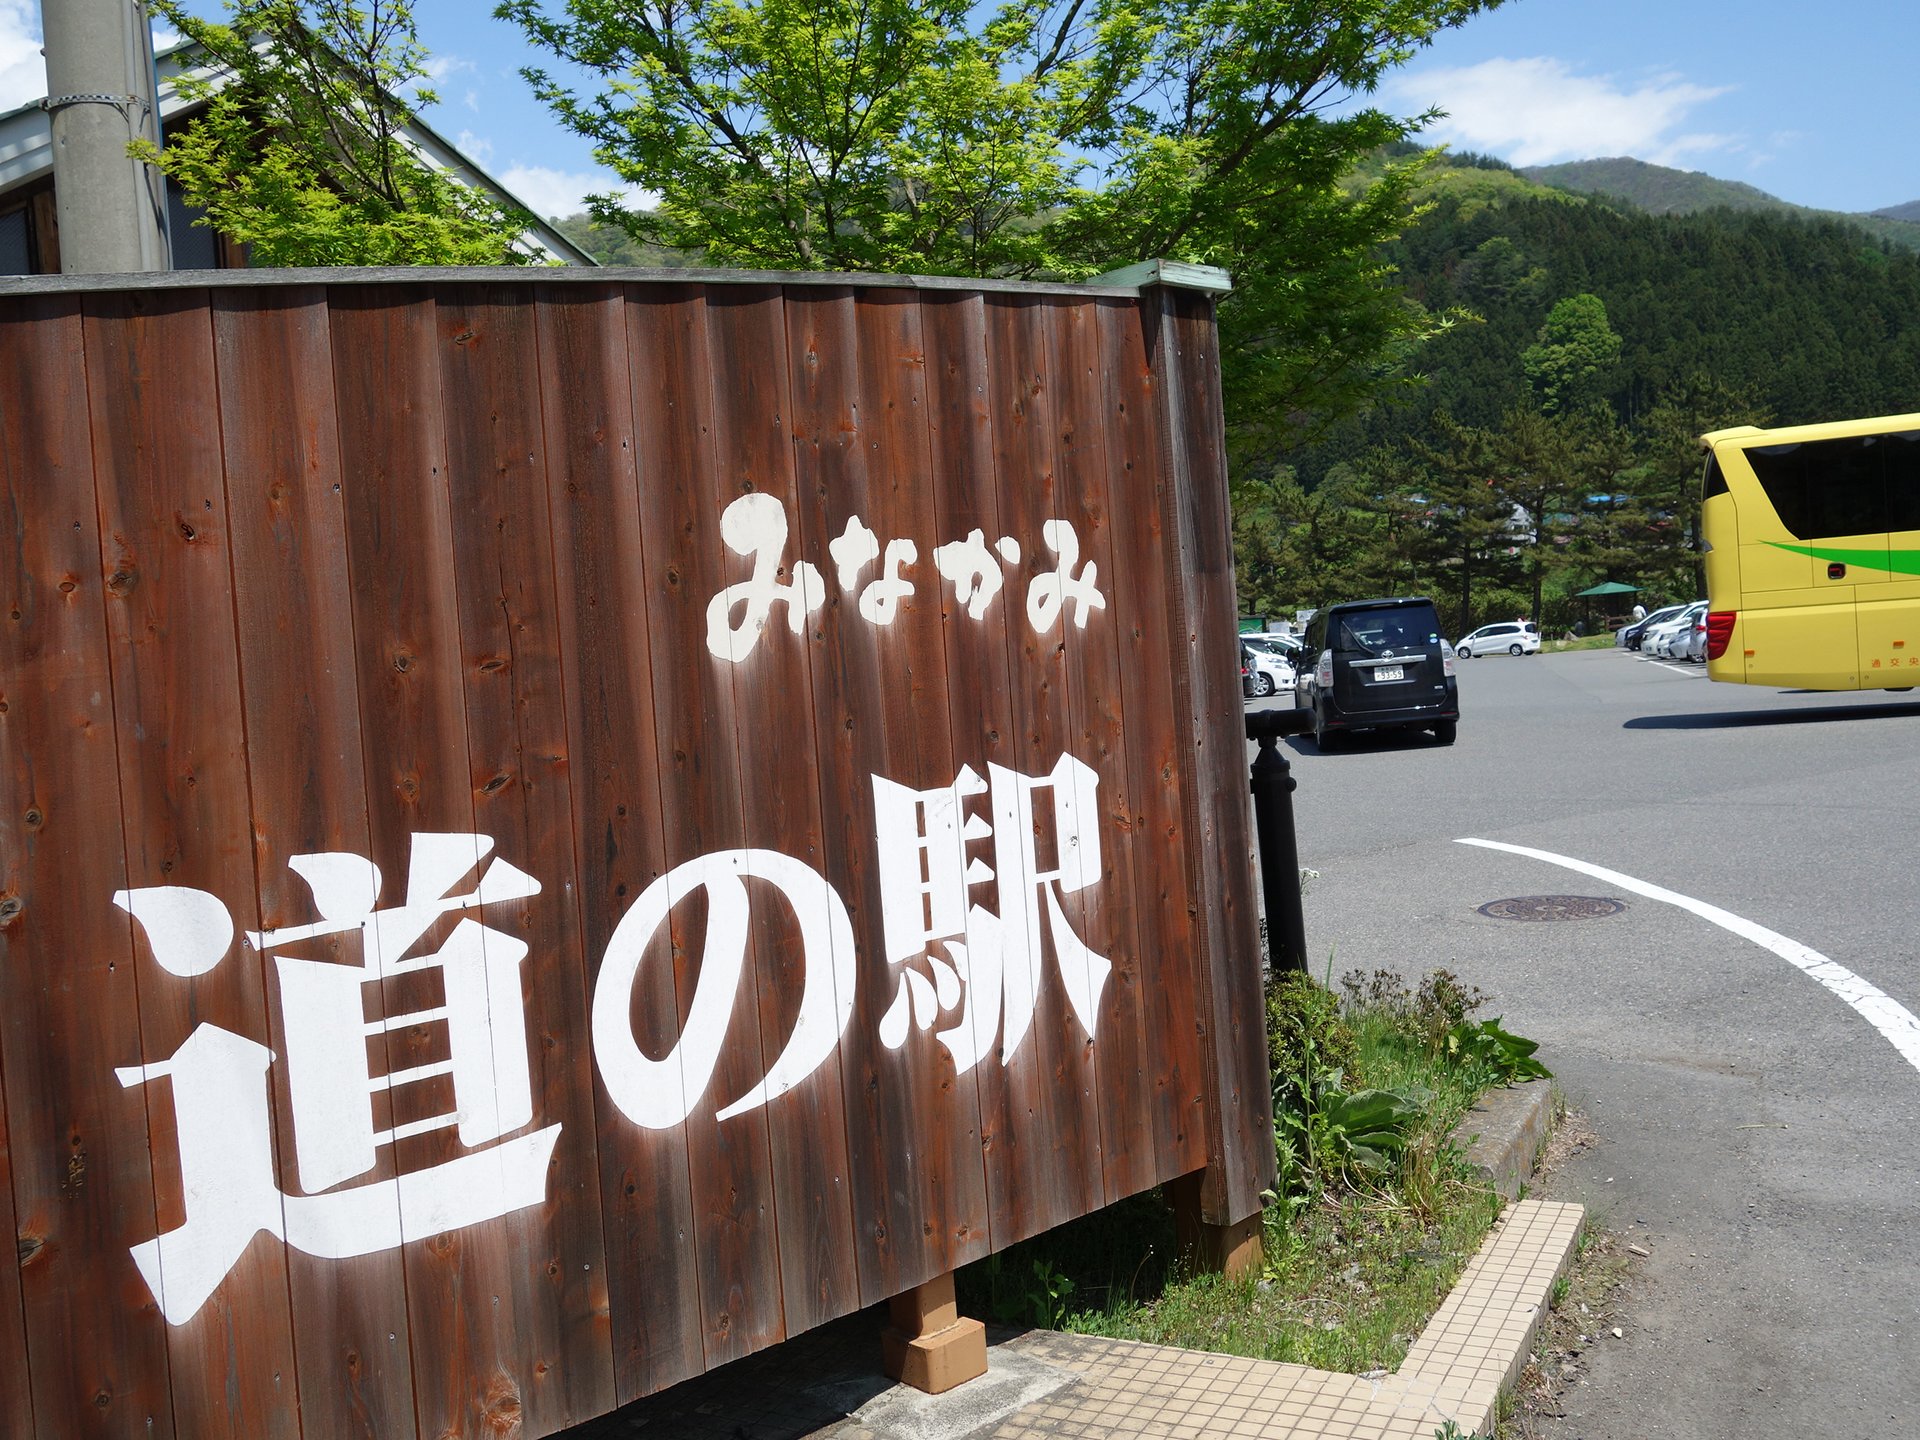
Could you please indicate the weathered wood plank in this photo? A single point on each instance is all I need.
(1146, 624)
(558, 1326)
(82, 1183)
(1240, 1158)
(280, 442)
(1048, 1121)
(467, 1361)
(979, 704)
(1095, 687)
(183, 784)
(16, 1380)
(736, 1247)
(950, 1208)
(879, 709)
(602, 589)
(781, 810)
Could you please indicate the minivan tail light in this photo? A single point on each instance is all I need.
(1323, 672)
(1447, 661)
(1719, 631)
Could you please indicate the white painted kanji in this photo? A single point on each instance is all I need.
(219, 1078)
(992, 966)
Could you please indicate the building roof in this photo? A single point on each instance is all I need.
(26, 150)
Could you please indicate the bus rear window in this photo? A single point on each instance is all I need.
(1712, 481)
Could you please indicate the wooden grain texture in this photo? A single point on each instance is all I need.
(183, 782)
(280, 445)
(781, 809)
(519, 755)
(16, 1380)
(960, 425)
(1108, 906)
(316, 568)
(467, 1360)
(556, 1328)
(736, 1247)
(880, 710)
(1146, 624)
(1048, 1118)
(602, 589)
(82, 1182)
(950, 1204)
(1240, 1160)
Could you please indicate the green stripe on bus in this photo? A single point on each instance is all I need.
(1899, 562)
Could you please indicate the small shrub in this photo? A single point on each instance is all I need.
(1306, 1032)
(1424, 1016)
(1503, 1056)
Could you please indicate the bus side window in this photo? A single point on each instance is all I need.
(1903, 479)
(1824, 488)
(1782, 477)
(1846, 487)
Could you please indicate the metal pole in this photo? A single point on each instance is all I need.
(1273, 787)
(100, 96)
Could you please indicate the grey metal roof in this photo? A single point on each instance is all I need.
(1131, 280)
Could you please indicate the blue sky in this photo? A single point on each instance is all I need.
(1815, 104)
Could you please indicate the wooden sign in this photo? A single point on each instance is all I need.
(557, 830)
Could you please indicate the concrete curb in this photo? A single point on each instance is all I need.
(1504, 1134)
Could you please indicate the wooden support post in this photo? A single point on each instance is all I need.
(929, 1344)
(1233, 1250)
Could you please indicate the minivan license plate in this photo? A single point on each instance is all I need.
(1389, 672)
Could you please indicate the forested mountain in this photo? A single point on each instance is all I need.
(1551, 444)
(1663, 191)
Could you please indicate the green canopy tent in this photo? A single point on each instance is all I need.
(1605, 587)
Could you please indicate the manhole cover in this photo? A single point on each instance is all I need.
(1553, 907)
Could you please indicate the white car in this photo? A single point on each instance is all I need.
(1692, 641)
(1511, 637)
(1266, 672)
(1661, 639)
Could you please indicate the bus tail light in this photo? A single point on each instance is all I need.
(1719, 631)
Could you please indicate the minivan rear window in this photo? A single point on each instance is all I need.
(1397, 628)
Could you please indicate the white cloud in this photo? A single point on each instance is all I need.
(1537, 111)
(551, 192)
(475, 147)
(23, 73)
(439, 67)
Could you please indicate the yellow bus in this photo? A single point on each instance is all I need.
(1813, 554)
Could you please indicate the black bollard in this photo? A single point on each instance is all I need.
(1273, 786)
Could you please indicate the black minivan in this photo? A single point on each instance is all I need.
(1378, 665)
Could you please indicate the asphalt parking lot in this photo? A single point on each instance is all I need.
(1757, 1112)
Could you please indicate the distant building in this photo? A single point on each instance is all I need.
(30, 231)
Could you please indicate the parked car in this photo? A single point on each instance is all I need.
(1691, 643)
(1659, 639)
(1262, 672)
(1634, 635)
(1378, 665)
(1287, 647)
(1514, 637)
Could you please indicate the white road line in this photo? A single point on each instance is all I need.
(1880, 1010)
